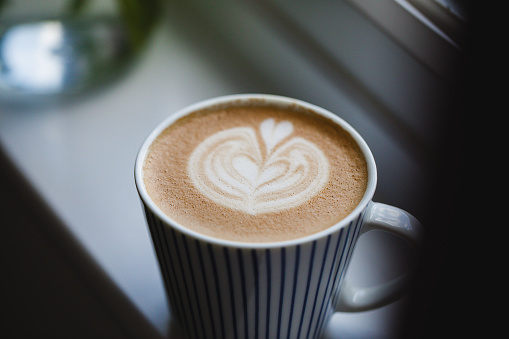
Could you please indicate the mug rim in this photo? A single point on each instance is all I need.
(270, 99)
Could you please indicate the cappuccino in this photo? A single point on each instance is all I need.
(255, 172)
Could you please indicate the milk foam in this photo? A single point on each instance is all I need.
(235, 170)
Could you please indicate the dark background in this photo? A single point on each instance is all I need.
(457, 290)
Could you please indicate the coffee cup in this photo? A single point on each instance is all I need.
(255, 204)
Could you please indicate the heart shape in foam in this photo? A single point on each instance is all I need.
(233, 169)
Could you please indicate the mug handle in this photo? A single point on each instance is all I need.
(393, 220)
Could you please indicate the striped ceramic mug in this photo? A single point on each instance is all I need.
(288, 289)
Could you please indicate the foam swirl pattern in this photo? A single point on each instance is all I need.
(260, 172)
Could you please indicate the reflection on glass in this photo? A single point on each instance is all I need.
(30, 57)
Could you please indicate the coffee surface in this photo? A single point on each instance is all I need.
(255, 173)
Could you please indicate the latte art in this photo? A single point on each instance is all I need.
(255, 172)
(258, 173)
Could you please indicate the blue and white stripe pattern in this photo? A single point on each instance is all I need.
(226, 292)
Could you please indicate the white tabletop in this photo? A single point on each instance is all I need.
(79, 155)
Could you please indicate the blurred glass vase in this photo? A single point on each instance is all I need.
(89, 43)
